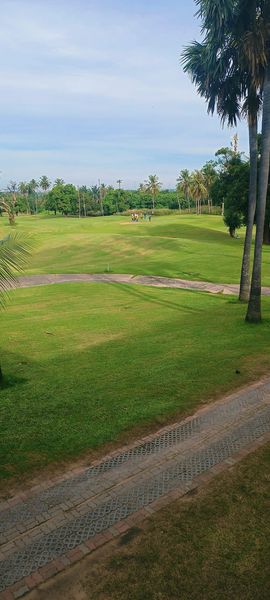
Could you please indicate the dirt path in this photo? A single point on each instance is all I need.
(148, 280)
(55, 524)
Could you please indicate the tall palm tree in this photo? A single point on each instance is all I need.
(141, 188)
(102, 193)
(251, 108)
(209, 175)
(24, 191)
(59, 181)
(44, 183)
(15, 251)
(198, 189)
(184, 185)
(33, 186)
(257, 51)
(224, 71)
(254, 306)
(152, 186)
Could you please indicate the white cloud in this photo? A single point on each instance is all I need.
(88, 82)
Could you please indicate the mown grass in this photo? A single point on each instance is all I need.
(186, 246)
(91, 361)
(212, 547)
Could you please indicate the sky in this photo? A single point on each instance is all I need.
(94, 89)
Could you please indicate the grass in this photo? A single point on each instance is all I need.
(89, 362)
(185, 246)
(212, 547)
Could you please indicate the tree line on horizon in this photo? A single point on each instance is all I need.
(222, 183)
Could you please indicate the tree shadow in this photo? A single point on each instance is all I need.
(193, 232)
(11, 380)
(147, 296)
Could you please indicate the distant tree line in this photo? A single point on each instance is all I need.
(222, 182)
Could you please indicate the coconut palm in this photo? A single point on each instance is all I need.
(59, 181)
(24, 191)
(33, 186)
(152, 187)
(141, 188)
(102, 193)
(184, 185)
(15, 251)
(198, 189)
(44, 183)
(209, 175)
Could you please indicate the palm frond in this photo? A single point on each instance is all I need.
(15, 251)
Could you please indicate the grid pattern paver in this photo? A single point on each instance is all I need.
(69, 518)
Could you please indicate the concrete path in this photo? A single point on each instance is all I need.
(46, 529)
(148, 280)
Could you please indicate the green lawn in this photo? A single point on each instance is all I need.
(89, 361)
(186, 246)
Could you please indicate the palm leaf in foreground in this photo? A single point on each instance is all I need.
(15, 251)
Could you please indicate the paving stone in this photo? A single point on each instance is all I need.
(126, 485)
(80, 529)
(74, 489)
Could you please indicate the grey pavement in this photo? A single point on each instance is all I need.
(26, 281)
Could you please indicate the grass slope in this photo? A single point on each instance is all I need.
(185, 246)
(92, 361)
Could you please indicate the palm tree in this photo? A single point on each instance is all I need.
(8, 205)
(33, 186)
(184, 185)
(59, 181)
(209, 175)
(224, 70)
(198, 189)
(44, 183)
(141, 188)
(102, 193)
(15, 251)
(258, 54)
(152, 186)
(24, 191)
(251, 107)
(254, 306)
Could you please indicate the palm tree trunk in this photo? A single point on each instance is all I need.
(254, 306)
(266, 232)
(253, 151)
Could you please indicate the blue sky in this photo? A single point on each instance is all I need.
(93, 89)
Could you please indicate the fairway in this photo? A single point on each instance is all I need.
(91, 361)
(192, 246)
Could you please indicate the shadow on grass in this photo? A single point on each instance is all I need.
(10, 381)
(194, 232)
(139, 294)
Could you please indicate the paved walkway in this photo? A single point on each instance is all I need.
(149, 280)
(57, 523)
